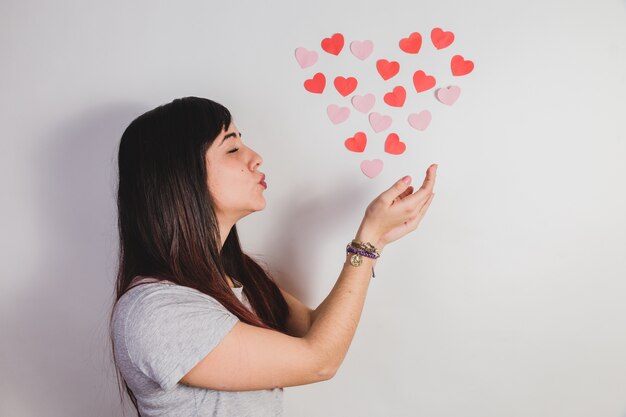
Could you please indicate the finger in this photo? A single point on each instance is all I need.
(431, 176)
(424, 208)
(396, 189)
(406, 192)
(417, 198)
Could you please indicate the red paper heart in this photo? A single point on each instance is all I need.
(316, 84)
(461, 66)
(334, 44)
(387, 69)
(441, 39)
(357, 142)
(345, 85)
(396, 97)
(412, 44)
(423, 82)
(393, 145)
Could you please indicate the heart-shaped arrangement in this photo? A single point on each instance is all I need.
(395, 96)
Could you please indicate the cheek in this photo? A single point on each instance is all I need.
(216, 186)
(226, 180)
(224, 190)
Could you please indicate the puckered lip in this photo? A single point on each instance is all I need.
(262, 179)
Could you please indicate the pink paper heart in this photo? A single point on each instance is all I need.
(379, 122)
(362, 50)
(305, 57)
(337, 114)
(372, 168)
(421, 120)
(448, 95)
(364, 103)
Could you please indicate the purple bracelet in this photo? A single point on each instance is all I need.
(352, 249)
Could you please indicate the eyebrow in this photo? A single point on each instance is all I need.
(230, 135)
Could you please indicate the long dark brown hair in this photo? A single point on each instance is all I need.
(166, 222)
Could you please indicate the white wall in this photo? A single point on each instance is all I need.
(507, 301)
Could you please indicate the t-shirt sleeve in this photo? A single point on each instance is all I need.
(170, 329)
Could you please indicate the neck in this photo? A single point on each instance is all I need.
(225, 227)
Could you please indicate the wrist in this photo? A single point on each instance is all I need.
(365, 236)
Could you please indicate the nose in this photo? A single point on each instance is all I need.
(257, 160)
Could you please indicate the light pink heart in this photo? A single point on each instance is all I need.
(364, 103)
(372, 168)
(448, 95)
(337, 114)
(362, 49)
(379, 122)
(305, 57)
(421, 120)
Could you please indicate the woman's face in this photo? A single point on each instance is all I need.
(233, 179)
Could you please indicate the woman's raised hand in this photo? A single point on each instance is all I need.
(397, 211)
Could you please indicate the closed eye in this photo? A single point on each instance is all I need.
(233, 150)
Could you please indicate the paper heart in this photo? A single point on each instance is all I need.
(316, 84)
(393, 145)
(460, 66)
(334, 44)
(364, 103)
(337, 114)
(396, 97)
(387, 69)
(412, 44)
(357, 142)
(440, 38)
(379, 122)
(423, 82)
(362, 50)
(421, 120)
(372, 168)
(345, 86)
(448, 95)
(305, 57)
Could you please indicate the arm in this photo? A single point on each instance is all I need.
(254, 358)
(300, 316)
(335, 320)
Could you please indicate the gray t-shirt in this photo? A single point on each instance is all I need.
(161, 331)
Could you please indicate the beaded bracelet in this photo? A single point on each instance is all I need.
(356, 259)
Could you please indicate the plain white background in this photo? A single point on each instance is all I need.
(508, 301)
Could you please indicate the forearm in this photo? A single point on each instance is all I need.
(334, 321)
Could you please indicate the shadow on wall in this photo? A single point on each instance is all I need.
(305, 227)
(62, 324)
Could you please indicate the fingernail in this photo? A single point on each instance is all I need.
(406, 179)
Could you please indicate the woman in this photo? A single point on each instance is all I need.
(198, 327)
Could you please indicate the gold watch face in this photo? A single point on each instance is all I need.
(356, 259)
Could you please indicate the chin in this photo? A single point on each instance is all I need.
(259, 206)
